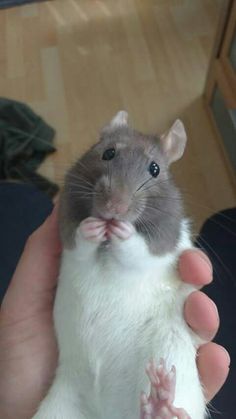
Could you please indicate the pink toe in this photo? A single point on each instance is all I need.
(123, 225)
(122, 234)
(93, 231)
(94, 224)
(150, 370)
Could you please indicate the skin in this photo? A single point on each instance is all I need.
(28, 350)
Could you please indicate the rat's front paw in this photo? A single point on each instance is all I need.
(120, 229)
(159, 404)
(93, 229)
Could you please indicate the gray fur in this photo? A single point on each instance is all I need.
(155, 210)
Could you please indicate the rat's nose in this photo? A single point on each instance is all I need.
(122, 208)
(117, 207)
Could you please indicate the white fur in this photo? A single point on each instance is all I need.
(113, 312)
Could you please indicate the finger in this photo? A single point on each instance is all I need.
(213, 366)
(195, 267)
(201, 314)
(36, 274)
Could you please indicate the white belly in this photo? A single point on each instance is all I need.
(117, 320)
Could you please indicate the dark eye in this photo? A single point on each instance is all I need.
(154, 169)
(109, 154)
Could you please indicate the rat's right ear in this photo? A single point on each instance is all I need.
(119, 120)
(173, 141)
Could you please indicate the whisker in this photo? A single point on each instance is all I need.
(222, 226)
(141, 221)
(204, 206)
(79, 184)
(77, 190)
(154, 184)
(84, 167)
(212, 409)
(208, 207)
(163, 230)
(148, 180)
(109, 174)
(149, 187)
(162, 211)
(165, 197)
(147, 224)
(79, 177)
(227, 271)
(83, 193)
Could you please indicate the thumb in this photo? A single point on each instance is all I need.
(32, 287)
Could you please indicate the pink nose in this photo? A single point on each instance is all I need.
(117, 207)
(122, 208)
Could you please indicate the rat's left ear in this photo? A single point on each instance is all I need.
(173, 142)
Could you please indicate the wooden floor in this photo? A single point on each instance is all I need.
(77, 62)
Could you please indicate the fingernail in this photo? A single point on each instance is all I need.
(210, 334)
(227, 356)
(204, 257)
(216, 309)
(206, 335)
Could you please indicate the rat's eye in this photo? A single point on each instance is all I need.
(154, 169)
(109, 154)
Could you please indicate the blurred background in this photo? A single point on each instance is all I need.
(76, 62)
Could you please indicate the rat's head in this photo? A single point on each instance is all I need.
(125, 176)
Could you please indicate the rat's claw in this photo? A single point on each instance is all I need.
(122, 230)
(93, 229)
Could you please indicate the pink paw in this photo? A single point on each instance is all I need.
(93, 229)
(159, 404)
(121, 229)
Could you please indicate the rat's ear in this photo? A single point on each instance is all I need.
(173, 141)
(119, 120)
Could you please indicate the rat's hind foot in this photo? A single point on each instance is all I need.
(93, 229)
(159, 404)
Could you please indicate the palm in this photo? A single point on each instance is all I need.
(28, 350)
(27, 367)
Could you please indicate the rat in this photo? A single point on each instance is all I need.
(125, 350)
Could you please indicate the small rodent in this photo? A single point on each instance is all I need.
(119, 302)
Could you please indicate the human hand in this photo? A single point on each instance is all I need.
(202, 316)
(28, 350)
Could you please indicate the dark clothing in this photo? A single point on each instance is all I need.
(22, 209)
(12, 3)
